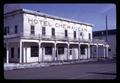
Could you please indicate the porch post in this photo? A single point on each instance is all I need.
(68, 52)
(79, 52)
(21, 51)
(88, 51)
(107, 51)
(97, 51)
(54, 51)
(7, 55)
(39, 57)
(103, 52)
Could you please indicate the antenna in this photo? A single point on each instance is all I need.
(106, 31)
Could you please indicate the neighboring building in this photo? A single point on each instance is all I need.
(31, 36)
(111, 40)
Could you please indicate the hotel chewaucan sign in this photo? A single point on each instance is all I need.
(47, 23)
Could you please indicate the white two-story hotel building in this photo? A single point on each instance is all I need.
(32, 36)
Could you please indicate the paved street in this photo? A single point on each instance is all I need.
(89, 70)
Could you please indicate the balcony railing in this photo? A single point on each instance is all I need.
(55, 38)
(99, 41)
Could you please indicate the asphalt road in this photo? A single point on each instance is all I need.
(89, 70)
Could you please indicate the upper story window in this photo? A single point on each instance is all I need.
(66, 33)
(6, 30)
(89, 36)
(32, 29)
(16, 29)
(53, 32)
(75, 34)
(43, 30)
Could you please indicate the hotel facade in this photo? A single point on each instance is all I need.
(32, 36)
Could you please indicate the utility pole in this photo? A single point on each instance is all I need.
(106, 31)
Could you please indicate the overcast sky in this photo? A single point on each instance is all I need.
(91, 13)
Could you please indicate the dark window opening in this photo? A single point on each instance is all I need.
(4, 52)
(81, 34)
(75, 34)
(83, 50)
(43, 31)
(53, 32)
(48, 50)
(12, 52)
(32, 30)
(16, 29)
(34, 51)
(60, 50)
(18, 52)
(70, 52)
(65, 33)
(89, 36)
(6, 30)
(109, 49)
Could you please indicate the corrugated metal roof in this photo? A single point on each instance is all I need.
(103, 32)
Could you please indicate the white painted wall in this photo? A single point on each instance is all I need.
(59, 31)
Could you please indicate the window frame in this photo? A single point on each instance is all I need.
(16, 29)
(61, 50)
(12, 52)
(43, 31)
(34, 51)
(66, 33)
(53, 31)
(82, 50)
(32, 30)
(48, 50)
(75, 35)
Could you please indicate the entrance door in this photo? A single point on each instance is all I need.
(71, 54)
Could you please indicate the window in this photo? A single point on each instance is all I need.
(16, 29)
(12, 52)
(65, 33)
(109, 49)
(18, 52)
(48, 50)
(82, 50)
(53, 32)
(89, 36)
(81, 34)
(75, 34)
(70, 52)
(60, 50)
(34, 51)
(6, 30)
(43, 30)
(32, 30)
(4, 52)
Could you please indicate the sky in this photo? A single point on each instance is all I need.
(89, 13)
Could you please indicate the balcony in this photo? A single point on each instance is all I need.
(99, 41)
(54, 38)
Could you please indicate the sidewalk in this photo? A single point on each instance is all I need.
(13, 66)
